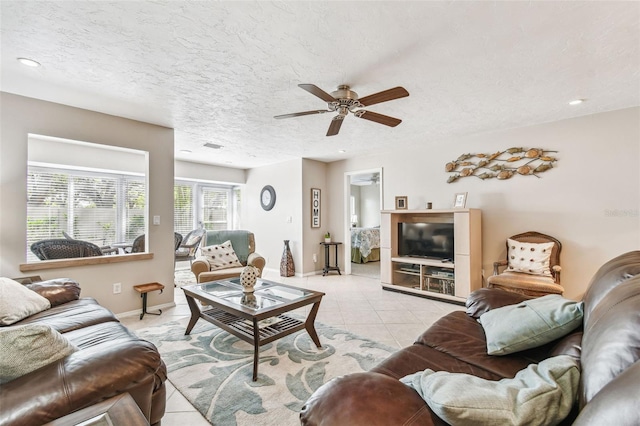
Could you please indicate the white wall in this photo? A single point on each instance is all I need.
(314, 175)
(272, 227)
(369, 206)
(21, 116)
(209, 173)
(590, 200)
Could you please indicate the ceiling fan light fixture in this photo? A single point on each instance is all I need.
(345, 101)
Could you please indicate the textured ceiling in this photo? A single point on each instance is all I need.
(218, 72)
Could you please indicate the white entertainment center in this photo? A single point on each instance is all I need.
(447, 278)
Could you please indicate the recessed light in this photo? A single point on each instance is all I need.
(185, 151)
(29, 62)
(342, 151)
(576, 102)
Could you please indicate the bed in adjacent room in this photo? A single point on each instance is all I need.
(365, 245)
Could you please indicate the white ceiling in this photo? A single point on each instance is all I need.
(219, 71)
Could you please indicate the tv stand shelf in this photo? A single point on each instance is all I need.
(423, 261)
(450, 281)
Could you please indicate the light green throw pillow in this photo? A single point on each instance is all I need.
(530, 324)
(26, 348)
(541, 394)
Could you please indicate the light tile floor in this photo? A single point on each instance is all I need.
(354, 303)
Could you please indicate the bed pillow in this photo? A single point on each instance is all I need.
(221, 256)
(529, 258)
(530, 324)
(26, 348)
(18, 302)
(540, 394)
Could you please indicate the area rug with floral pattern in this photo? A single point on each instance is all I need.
(213, 370)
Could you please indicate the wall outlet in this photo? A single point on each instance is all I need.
(117, 288)
(315, 258)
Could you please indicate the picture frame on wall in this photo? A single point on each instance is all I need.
(315, 207)
(460, 200)
(401, 202)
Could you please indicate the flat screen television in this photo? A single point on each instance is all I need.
(426, 240)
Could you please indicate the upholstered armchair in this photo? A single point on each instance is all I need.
(532, 266)
(217, 262)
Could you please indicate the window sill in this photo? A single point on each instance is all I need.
(84, 261)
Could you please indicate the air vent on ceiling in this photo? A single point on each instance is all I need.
(212, 145)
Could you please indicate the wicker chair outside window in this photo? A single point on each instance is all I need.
(189, 246)
(105, 249)
(177, 238)
(138, 245)
(63, 248)
(525, 283)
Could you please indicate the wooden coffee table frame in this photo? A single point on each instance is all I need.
(230, 317)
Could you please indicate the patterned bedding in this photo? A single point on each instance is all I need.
(365, 239)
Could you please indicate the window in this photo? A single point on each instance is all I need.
(102, 208)
(208, 206)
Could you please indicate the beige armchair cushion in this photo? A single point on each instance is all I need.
(527, 284)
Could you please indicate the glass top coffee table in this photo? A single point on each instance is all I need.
(259, 317)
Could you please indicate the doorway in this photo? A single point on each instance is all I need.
(363, 203)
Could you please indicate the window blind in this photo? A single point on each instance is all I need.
(101, 208)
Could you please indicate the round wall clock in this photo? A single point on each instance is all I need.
(268, 197)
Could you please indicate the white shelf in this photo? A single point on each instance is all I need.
(423, 261)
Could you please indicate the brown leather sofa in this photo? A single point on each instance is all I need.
(110, 360)
(607, 345)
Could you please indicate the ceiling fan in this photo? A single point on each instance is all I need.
(345, 101)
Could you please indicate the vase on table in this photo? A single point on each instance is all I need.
(287, 268)
(248, 278)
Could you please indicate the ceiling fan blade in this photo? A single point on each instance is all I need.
(298, 114)
(384, 96)
(315, 90)
(378, 118)
(334, 127)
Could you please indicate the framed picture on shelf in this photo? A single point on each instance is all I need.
(460, 200)
(401, 203)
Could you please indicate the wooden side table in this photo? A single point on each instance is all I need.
(327, 263)
(143, 289)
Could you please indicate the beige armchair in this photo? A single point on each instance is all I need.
(532, 266)
(243, 243)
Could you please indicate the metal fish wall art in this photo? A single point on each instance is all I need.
(502, 165)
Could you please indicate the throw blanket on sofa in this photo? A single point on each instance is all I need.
(540, 394)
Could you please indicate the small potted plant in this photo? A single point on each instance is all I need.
(327, 237)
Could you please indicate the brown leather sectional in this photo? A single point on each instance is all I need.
(111, 360)
(608, 347)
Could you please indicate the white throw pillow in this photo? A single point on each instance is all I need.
(26, 348)
(529, 258)
(221, 256)
(541, 394)
(18, 302)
